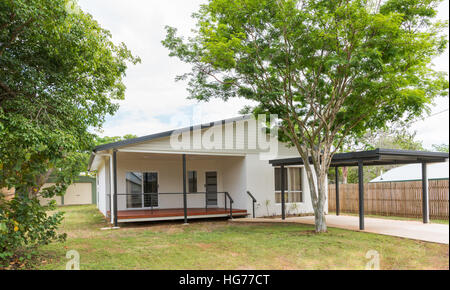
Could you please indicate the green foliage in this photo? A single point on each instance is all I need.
(25, 225)
(328, 68)
(440, 147)
(105, 140)
(395, 137)
(60, 74)
(312, 56)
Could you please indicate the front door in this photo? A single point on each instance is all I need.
(150, 189)
(211, 188)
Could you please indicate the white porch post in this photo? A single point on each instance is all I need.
(184, 189)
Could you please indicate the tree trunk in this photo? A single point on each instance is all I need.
(317, 185)
(319, 211)
(320, 221)
(344, 174)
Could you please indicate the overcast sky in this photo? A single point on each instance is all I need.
(154, 102)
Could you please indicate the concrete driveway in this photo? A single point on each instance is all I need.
(437, 233)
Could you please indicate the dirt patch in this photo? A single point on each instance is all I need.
(437, 260)
(305, 233)
(283, 263)
(173, 230)
(161, 246)
(234, 254)
(204, 246)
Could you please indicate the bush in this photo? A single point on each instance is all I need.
(24, 226)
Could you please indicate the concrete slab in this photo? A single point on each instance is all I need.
(436, 233)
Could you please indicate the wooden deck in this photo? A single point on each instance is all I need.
(174, 214)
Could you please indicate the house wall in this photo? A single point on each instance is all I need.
(235, 175)
(261, 183)
(235, 181)
(170, 180)
(239, 169)
(102, 183)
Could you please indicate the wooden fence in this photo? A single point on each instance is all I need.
(403, 199)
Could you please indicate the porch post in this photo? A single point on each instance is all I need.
(425, 197)
(361, 194)
(337, 190)
(283, 204)
(115, 186)
(184, 189)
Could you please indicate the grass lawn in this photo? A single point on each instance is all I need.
(445, 222)
(219, 244)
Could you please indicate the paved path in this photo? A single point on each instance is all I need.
(437, 233)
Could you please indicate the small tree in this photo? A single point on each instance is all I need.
(328, 68)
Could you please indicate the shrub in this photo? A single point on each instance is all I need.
(24, 226)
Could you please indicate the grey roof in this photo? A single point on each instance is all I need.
(379, 156)
(132, 141)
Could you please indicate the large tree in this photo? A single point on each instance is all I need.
(59, 76)
(328, 68)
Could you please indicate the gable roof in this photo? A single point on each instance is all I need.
(115, 145)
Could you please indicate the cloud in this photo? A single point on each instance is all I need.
(154, 102)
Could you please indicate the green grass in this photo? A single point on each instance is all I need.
(220, 244)
(445, 222)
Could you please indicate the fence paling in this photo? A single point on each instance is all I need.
(393, 198)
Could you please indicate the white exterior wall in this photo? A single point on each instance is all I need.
(101, 188)
(235, 181)
(238, 170)
(261, 183)
(235, 175)
(170, 177)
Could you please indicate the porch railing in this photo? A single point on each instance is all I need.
(253, 202)
(153, 198)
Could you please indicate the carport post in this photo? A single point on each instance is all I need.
(115, 186)
(425, 197)
(361, 194)
(283, 202)
(337, 189)
(184, 189)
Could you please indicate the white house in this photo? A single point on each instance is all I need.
(225, 164)
(413, 172)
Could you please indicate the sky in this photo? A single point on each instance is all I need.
(155, 102)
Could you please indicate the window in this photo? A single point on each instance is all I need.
(134, 189)
(141, 189)
(292, 185)
(192, 177)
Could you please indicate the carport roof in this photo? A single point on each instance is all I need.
(379, 156)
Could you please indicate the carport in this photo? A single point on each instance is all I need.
(378, 156)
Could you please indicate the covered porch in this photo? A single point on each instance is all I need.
(154, 186)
